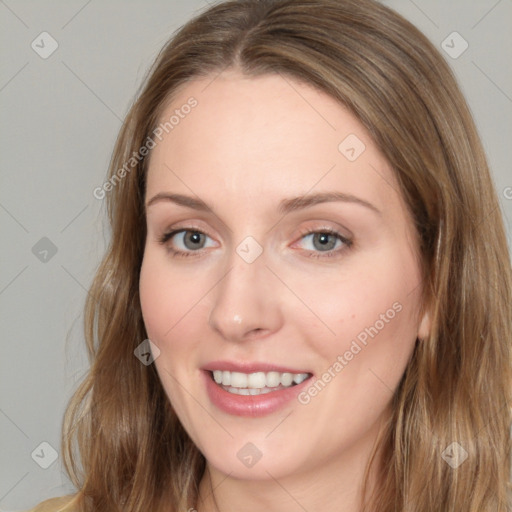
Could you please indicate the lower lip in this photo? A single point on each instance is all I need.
(251, 405)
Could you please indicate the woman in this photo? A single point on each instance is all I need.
(306, 299)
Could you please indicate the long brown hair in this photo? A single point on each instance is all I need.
(124, 447)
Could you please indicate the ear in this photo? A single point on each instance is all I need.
(425, 326)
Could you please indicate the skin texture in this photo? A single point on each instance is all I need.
(248, 144)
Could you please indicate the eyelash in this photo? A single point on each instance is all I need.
(315, 254)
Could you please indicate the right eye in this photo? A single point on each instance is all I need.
(185, 241)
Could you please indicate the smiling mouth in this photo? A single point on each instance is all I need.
(257, 383)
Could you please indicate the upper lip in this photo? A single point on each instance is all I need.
(250, 367)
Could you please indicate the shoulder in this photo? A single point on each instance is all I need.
(61, 504)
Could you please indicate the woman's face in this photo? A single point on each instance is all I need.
(292, 253)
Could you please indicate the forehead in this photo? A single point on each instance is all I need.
(257, 140)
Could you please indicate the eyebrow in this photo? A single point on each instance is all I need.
(285, 206)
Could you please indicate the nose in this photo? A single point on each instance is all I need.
(246, 303)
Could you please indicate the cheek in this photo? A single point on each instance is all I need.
(154, 300)
(373, 316)
(367, 315)
(166, 302)
(174, 316)
(166, 298)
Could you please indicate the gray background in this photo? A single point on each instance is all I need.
(60, 117)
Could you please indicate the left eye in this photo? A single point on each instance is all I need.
(323, 241)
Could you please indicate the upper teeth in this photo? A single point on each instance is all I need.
(257, 380)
